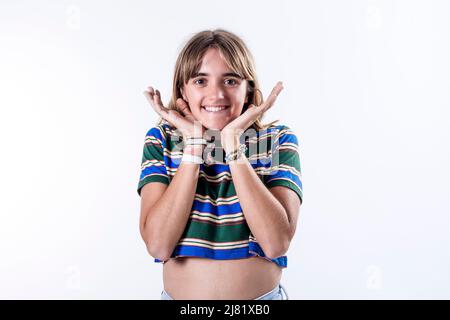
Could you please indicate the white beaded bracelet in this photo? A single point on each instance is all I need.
(196, 141)
(191, 158)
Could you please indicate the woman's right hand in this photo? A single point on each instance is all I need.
(185, 122)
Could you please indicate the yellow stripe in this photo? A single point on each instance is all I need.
(225, 176)
(206, 216)
(153, 140)
(153, 174)
(153, 162)
(213, 245)
(218, 201)
(282, 167)
(215, 220)
(286, 180)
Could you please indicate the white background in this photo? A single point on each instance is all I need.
(366, 91)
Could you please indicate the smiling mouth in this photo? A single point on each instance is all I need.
(213, 109)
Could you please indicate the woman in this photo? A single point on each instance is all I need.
(220, 216)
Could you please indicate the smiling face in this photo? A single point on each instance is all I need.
(216, 95)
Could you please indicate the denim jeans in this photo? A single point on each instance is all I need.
(277, 293)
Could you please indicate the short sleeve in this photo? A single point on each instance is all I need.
(285, 163)
(153, 168)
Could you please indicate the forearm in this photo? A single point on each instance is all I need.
(169, 216)
(265, 216)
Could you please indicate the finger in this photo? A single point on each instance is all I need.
(173, 117)
(157, 97)
(159, 103)
(184, 108)
(248, 117)
(149, 92)
(251, 107)
(273, 96)
(155, 102)
(252, 115)
(149, 95)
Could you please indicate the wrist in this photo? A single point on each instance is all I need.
(192, 159)
(194, 150)
(236, 154)
(230, 144)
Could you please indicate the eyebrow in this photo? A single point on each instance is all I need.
(229, 74)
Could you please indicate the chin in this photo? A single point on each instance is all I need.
(213, 126)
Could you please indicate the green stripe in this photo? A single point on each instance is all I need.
(152, 178)
(203, 198)
(195, 229)
(152, 151)
(287, 184)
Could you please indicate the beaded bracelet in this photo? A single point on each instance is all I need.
(195, 141)
(234, 155)
(191, 158)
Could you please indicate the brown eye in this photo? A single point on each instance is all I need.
(232, 81)
(197, 81)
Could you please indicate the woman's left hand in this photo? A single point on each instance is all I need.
(231, 133)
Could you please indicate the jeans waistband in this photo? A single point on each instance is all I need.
(278, 290)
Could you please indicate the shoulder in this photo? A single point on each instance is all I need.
(281, 133)
(162, 133)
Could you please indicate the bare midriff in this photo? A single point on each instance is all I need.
(208, 279)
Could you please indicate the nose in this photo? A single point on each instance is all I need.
(215, 92)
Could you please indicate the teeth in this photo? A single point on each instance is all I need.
(214, 109)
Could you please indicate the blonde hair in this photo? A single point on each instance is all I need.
(235, 53)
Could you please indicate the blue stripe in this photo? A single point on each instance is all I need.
(153, 169)
(274, 129)
(155, 132)
(281, 261)
(217, 210)
(220, 168)
(288, 138)
(239, 253)
(286, 175)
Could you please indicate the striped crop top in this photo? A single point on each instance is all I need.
(217, 228)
